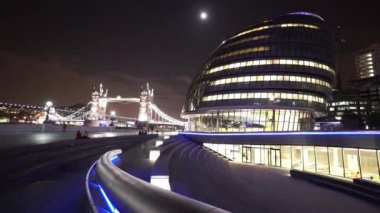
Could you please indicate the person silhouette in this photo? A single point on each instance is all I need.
(64, 126)
(78, 135)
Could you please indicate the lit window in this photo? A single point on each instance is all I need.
(276, 26)
(270, 61)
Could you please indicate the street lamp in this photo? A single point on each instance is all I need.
(113, 114)
(48, 106)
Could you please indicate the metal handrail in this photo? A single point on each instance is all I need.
(131, 194)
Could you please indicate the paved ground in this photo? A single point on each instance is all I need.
(273, 190)
(17, 140)
(63, 189)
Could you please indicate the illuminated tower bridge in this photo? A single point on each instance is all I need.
(95, 111)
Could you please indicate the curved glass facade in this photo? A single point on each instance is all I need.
(274, 76)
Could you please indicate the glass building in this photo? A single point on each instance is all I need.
(342, 154)
(274, 76)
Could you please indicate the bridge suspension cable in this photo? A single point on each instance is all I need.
(165, 116)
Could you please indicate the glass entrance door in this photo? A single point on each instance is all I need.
(274, 157)
(247, 154)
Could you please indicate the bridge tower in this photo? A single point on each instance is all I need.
(102, 102)
(146, 97)
(98, 106)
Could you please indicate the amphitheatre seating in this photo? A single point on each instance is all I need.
(190, 164)
(28, 164)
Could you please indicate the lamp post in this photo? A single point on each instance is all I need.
(48, 106)
(113, 114)
(112, 118)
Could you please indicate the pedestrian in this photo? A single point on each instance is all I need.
(64, 126)
(78, 135)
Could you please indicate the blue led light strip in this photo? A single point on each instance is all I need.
(114, 158)
(356, 133)
(109, 203)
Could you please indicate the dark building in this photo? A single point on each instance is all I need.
(274, 76)
(348, 102)
(368, 62)
(369, 89)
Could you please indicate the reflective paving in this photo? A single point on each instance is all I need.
(17, 140)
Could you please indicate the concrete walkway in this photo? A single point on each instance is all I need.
(273, 190)
(63, 188)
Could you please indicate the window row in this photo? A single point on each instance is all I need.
(264, 62)
(254, 38)
(336, 161)
(252, 120)
(314, 54)
(306, 14)
(285, 25)
(347, 103)
(273, 96)
(254, 78)
(243, 51)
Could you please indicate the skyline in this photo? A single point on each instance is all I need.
(59, 51)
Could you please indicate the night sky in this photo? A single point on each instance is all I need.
(58, 50)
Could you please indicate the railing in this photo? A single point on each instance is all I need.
(126, 193)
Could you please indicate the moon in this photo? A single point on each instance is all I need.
(203, 15)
